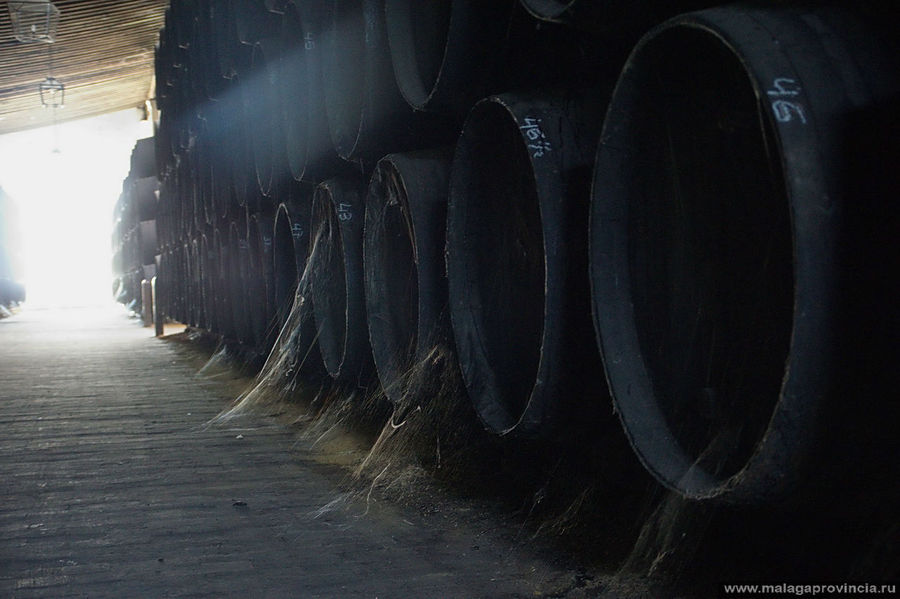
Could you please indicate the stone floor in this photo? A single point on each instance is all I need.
(112, 484)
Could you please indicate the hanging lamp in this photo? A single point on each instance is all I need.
(53, 93)
(33, 20)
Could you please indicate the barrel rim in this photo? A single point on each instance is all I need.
(547, 169)
(773, 468)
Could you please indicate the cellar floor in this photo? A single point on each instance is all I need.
(118, 480)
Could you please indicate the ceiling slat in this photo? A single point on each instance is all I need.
(103, 54)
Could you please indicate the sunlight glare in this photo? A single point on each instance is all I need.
(66, 202)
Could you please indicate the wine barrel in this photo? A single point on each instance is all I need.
(196, 312)
(252, 20)
(263, 98)
(445, 52)
(516, 246)
(406, 288)
(260, 280)
(715, 214)
(233, 56)
(236, 263)
(607, 18)
(336, 279)
(308, 149)
(222, 299)
(365, 110)
(290, 248)
(209, 289)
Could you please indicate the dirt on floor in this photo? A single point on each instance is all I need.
(604, 528)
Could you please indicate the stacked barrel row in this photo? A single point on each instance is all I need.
(460, 170)
(134, 236)
(261, 103)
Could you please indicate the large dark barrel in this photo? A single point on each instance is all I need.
(259, 280)
(212, 84)
(336, 279)
(617, 22)
(232, 56)
(263, 96)
(143, 159)
(287, 259)
(164, 278)
(193, 186)
(144, 198)
(591, 14)
(209, 284)
(135, 241)
(215, 160)
(237, 138)
(186, 284)
(180, 276)
(252, 20)
(292, 278)
(196, 273)
(366, 112)
(516, 259)
(202, 184)
(227, 151)
(222, 299)
(309, 152)
(148, 244)
(139, 216)
(183, 197)
(278, 6)
(197, 56)
(235, 274)
(716, 209)
(445, 52)
(165, 158)
(290, 248)
(406, 288)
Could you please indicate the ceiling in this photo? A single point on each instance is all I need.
(103, 54)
